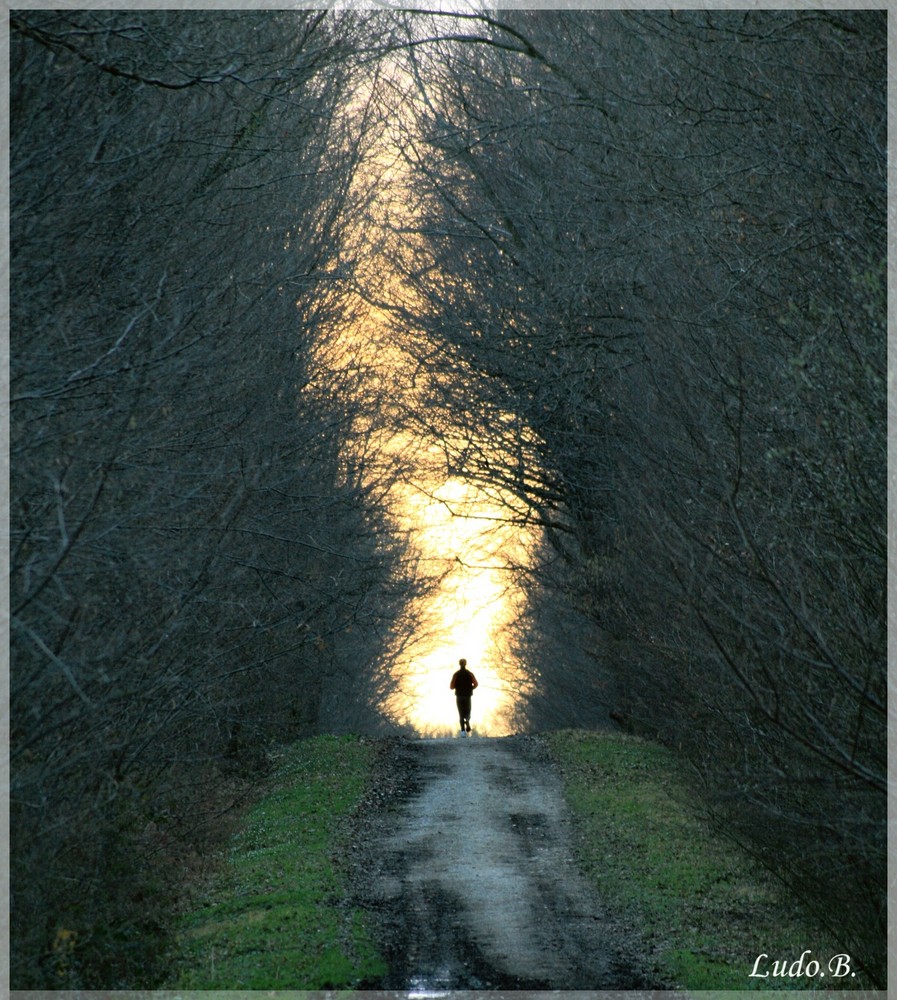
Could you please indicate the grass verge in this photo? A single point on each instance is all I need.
(275, 916)
(703, 908)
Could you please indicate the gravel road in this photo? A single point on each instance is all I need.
(465, 860)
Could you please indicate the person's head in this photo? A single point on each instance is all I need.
(462, 663)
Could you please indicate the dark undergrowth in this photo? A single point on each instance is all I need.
(274, 916)
(706, 910)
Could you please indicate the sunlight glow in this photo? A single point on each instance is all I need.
(463, 544)
(468, 546)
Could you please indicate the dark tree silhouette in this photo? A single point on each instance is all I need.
(647, 254)
(198, 566)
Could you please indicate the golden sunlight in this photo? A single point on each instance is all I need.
(461, 537)
(467, 547)
(465, 544)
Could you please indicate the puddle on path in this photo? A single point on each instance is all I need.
(473, 882)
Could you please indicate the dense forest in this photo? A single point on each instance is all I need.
(637, 262)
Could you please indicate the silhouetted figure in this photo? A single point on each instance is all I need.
(463, 683)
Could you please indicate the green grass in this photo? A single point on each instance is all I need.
(275, 917)
(705, 909)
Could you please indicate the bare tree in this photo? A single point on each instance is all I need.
(647, 260)
(195, 569)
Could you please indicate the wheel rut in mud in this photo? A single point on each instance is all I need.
(467, 868)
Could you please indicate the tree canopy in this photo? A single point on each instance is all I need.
(635, 267)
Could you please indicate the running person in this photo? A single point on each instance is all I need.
(463, 683)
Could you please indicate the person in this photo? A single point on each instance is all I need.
(463, 684)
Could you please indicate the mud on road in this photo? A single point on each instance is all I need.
(464, 858)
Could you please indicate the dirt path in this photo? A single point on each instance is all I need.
(469, 872)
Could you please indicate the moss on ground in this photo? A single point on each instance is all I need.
(706, 911)
(275, 916)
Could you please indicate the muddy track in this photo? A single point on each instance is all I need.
(464, 859)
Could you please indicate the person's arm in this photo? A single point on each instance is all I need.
(475, 681)
(452, 685)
